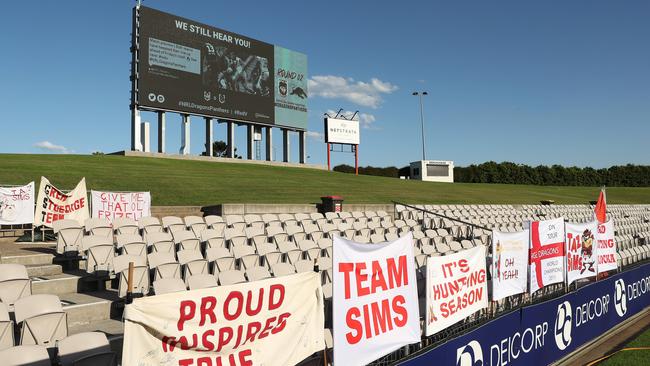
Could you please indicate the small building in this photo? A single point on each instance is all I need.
(433, 170)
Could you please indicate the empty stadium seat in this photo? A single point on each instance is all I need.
(68, 239)
(149, 224)
(85, 349)
(41, 319)
(200, 281)
(222, 258)
(14, 283)
(31, 355)
(257, 273)
(164, 265)
(193, 263)
(6, 328)
(99, 227)
(186, 240)
(140, 274)
(160, 242)
(131, 244)
(163, 286)
(123, 225)
(173, 223)
(282, 269)
(195, 224)
(100, 252)
(231, 277)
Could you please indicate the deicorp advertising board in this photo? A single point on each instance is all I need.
(189, 67)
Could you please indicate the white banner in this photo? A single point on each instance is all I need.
(580, 250)
(277, 321)
(509, 263)
(53, 205)
(546, 253)
(111, 205)
(456, 288)
(606, 247)
(375, 299)
(17, 205)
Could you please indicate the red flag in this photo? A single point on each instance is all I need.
(601, 207)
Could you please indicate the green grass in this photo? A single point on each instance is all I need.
(183, 182)
(628, 358)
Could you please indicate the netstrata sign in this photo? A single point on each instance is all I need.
(543, 333)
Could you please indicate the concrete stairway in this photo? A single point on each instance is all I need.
(87, 308)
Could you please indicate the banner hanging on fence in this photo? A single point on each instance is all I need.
(456, 288)
(606, 247)
(111, 205)
(375, 299)
(546, 253)
(509, 263)
(277, 321)
(580, 250)
(17, 205)
(53, 205)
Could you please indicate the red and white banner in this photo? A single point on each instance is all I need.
(17, 205)
(375, 299)
(277, 321)
(580, 250)
(546, 256)
(606, 247)
(456, 288)
(53, 205)
(509, 263)
(111, 205)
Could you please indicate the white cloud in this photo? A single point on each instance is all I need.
(366, 94)
(46, 145)
(365, 119)
(316, 135)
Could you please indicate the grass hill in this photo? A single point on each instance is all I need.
(184, 182)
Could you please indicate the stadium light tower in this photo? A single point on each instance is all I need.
(420, 94)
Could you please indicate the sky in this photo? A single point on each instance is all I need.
(532, 82)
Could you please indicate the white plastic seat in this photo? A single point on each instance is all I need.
(125, 225)
(195, 224)
(257, 273)
(324, 263)
(267, 251)
(236, 222)
(193, 263)
(222, 258)
(68, 239)
(235, 237)
(231, 277)
(6, 328)
(163, 286)
(86, 349)
(161, 242)
(246, 255)
(282, 269)
(131, 244)
(32, 355)
(290, 250)
(324, 243)
(304, 265)
(164, 265)
(42, 320)
(100, 252)
(186, 240)
(377, 238)
(149, 225)
(213, 219)
(14, 283)
(140, 274)
(196, 282)
(99, 227)
(309, 247)
(173, 223)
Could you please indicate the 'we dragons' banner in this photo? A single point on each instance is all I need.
(546, 253)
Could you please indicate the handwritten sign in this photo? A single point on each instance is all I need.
(111, 205)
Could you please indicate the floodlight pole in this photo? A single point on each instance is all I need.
(420, 94)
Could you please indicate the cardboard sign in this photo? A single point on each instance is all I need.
(581, 249)
(546, 253)
(277, 321)
(375, 299)
(17, 205)
(456, 288)
(509, 263)
(52, 204)
(606, 247)
(111, 205)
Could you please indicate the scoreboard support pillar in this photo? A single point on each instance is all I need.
(185, 135)
(208, 136)
(230, 149)
(161, 132)
(136, 140)
(249, 142)
(269, 144)
(301, 147)
(286, 147)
